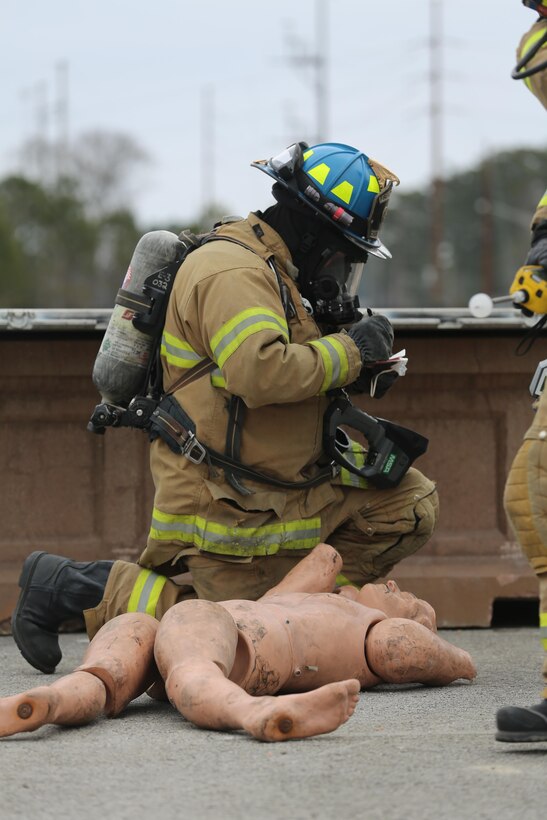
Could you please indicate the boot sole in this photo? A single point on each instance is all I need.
(521, 737)
(24, 582)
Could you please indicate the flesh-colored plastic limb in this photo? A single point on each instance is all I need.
(196, 649)
(118, 667)
(74, 700)
(122, 655)
(315, 573)
(403, 651)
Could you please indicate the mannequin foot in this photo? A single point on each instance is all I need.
(73, 700)
(26, 712)
(287, 717)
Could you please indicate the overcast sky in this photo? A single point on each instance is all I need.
(152, 69)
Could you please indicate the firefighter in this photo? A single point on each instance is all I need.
(525, 497)
(271, 301)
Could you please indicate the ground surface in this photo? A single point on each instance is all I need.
(406, 753)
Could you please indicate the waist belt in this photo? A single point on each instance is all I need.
(170, 422)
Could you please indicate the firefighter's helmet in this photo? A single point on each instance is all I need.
(537, 5)
(340, 184)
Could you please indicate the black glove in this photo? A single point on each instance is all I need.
(537, 255)
(373, 335)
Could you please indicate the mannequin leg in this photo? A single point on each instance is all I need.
(121, 655)
(118, 666)
(315, 573)
(403, 651)
(197, 648)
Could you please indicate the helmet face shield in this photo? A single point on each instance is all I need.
(354, 278)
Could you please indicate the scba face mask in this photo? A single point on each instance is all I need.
(331, 286)
(332, 289)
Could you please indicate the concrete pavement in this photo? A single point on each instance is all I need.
(411, 753)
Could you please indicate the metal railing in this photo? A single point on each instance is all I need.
(96, 319)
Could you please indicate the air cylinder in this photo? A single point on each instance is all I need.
(122, 361)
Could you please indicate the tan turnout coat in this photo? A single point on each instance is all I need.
(226, 306)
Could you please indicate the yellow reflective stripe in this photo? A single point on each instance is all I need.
(335, 361)
(531, 41)
(177, 352)
(543, 629)
(214, 537)
(355, 455)
(146, 592)
(543, 200)
(217, 379)
(307, 154)
(227, 340)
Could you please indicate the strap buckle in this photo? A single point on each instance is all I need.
(193, 450)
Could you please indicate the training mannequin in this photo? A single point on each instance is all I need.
(220, 663)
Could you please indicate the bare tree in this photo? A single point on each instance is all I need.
(104, 165)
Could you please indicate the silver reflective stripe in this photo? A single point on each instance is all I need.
(183, 354)
(234, 535)
(145, 592)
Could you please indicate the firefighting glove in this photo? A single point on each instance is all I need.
(537, 255)
(373, 335)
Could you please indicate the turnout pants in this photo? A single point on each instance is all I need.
(372, 530)
(525, 502)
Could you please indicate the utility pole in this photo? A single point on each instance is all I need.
(207, 143)
(61, 117)
(436, 136)
(486, 227)
(321, 70)
(317, 60)
(36, 145)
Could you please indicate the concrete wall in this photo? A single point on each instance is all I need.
(85, 496)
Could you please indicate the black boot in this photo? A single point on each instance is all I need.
(517, 724)
(53, 590)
